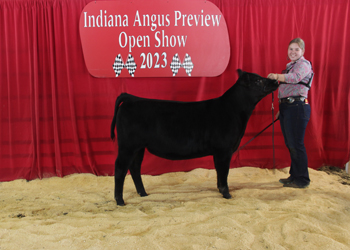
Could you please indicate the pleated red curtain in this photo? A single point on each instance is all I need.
(55, 117)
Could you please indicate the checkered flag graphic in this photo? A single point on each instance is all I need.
(176, 64)
(130, 65)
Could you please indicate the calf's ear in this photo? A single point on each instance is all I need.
(240, 72)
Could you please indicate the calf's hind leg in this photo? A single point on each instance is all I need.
(222, 166)
(135, 171)
(122, 164)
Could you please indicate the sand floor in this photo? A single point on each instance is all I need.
(182, 211)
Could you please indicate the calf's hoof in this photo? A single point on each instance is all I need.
(225, 192)
(227, 196)
(143, 194)
(120, 202)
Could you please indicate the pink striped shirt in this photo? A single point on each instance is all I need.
(299, 71)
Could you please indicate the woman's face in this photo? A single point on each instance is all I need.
(294, 52)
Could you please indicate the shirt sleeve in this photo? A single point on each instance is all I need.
(300, 70)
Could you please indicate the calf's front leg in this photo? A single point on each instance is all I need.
(222, 166)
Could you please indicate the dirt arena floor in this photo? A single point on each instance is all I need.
(182, 211)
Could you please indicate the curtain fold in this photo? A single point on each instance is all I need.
(55, 117)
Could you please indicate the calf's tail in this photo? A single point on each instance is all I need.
(119, 100)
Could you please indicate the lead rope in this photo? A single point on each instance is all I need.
(273, 131)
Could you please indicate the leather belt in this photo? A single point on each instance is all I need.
(292, 99)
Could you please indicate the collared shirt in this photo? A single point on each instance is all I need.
(299, 71)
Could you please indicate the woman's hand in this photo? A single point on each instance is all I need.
(278, 77)
(278, 114)
(272, 76)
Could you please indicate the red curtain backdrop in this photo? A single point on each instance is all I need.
(55, 117)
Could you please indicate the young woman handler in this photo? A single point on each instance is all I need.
(294, 111)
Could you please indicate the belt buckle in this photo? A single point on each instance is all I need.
(290, 99)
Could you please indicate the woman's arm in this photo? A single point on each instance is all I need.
(299, 71)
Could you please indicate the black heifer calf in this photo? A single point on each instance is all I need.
(184, 130)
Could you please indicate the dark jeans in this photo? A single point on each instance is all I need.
(293, 119)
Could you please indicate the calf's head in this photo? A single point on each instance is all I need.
(260, 85)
